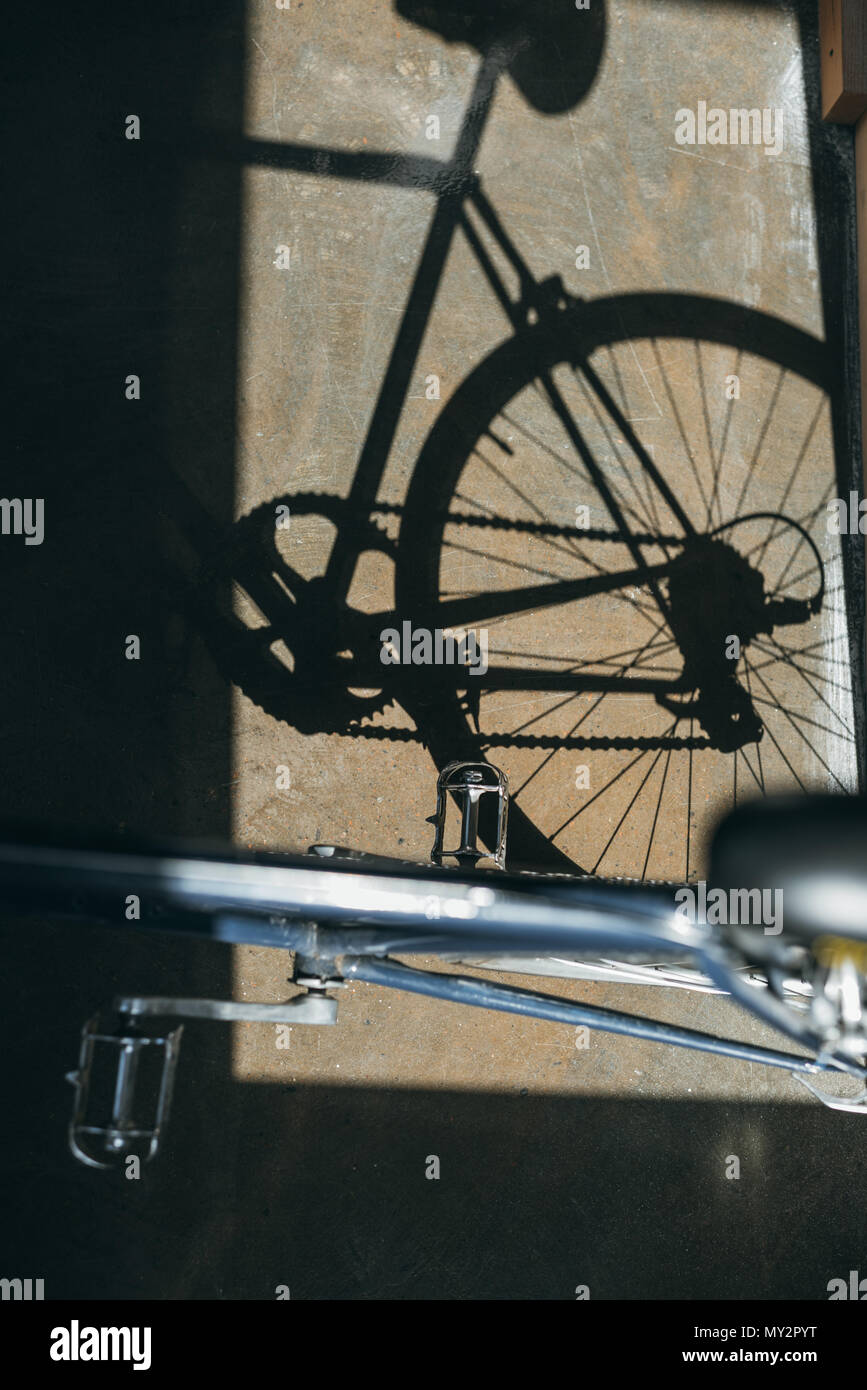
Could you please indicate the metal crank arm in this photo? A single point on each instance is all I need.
(315, 1008)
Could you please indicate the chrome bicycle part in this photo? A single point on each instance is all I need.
(124, 1135)
(346, 917)
(837, 1009)
(468, 783)
(314, 1008)
(853, 1105)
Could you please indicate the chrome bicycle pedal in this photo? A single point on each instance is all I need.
(130, 1074)
(138, 1106)
(468, 783)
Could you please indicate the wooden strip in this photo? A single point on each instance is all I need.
(843, 45)
(861, 221)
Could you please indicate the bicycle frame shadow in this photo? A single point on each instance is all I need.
(316, 624)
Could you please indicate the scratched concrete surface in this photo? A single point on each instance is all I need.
(728, 221)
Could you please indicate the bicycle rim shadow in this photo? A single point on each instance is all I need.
(716, 593)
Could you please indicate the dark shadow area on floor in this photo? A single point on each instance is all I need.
(122, 261)
(324, 1190)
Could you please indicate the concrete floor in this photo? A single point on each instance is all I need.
(305, 1165)
(315, 341)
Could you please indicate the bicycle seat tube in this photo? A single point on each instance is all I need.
(404, 355)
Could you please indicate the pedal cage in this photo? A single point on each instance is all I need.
(124, 1135)
(128, 1133)
(468, 783)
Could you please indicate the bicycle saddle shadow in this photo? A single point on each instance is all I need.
(559, 47)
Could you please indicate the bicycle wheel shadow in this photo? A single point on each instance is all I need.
(720, 593)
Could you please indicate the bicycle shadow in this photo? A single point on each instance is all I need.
(312, 663)
(554, 59)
